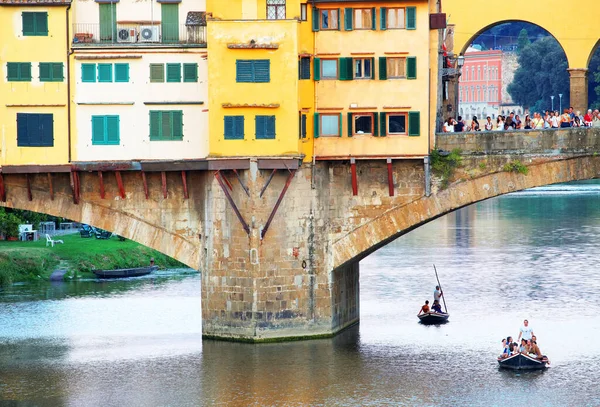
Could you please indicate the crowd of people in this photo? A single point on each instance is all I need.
(526, 344)
(539, 121)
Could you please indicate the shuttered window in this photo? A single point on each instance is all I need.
(166, 125)
(18, 71)
(190, 72)
(265, 127)
(329, 68)
(330, 19)
(88, 72)
(35, 24)
(414, 123)
(304, 68)
(411, 68)
(234, 127)
(392, 68)
(302, 129)
(105, 130)
(121, 72)
(392, 18)
(173, 72)
(105, 73)
(51, 72)
(411, 18)
(157, 72)
(253, 70)
(35, 130)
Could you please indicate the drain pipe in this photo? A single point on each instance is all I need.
(69, 52)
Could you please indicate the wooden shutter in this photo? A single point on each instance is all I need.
(190, 72)
(315, 19)
(346, 69)
(304, 68)
(262, 71)
(372, 67)
(374, 19)
(25, 71)
(88, 72)
(33, 130)
(260, 127)
(22, 134)
(28, 23)
(340, 126)
(98, 130)
(411, 68)
(244, 71)
(382, 124)
(414, 123)
(108, 22)
(350, 124)
(57, 72)
(239, 127)
(155, 122)
(104, 72)
(170, 22)
(270, 127)
(317, 69)
(383, 18)
(12, 71)
(45, 72)
(375, 124)
(411, 18)
(41, 23)
(338, 19)
(176, 125)
(228, 127)
(302, 126)
(348, 19)
(316, 125)
(121, 72)
(173, 72)
(112, 130)
(46, 130)
(382, 68)
(157, 73)
(166, 125)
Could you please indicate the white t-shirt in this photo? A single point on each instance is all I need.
(449, 128)
(554, 121)
(437, 295)
(526, 332)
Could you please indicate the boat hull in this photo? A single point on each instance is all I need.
(522, 362)
(433, 318)
(124, 273)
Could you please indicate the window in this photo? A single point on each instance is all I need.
(275, 9)
(460, 97)
(253, 70)
(265, 127)
(157, 73)
(303, 12)
(363, 68)
(169, 24)
(234, 127)
(484, 99)
(392, 18)
(411, 18)
(330, 19)
(173, 72)
(105, 130)
(304, 68)
(18, 71)
(108, 21)
(190, 72)
(121, 72)
(479, 77)
(302, 129)
(363, 18)
(105, 73)
(396, 123)
(329, 69)
(411, 68)
(362, 123)
(35, 130)
(35, 24)
(51, 72)
(166, 125)
(329, 125)
(396, 67)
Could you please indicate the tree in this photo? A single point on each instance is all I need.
(542, 73)
(522, 40)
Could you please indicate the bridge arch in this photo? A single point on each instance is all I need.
(379, 231)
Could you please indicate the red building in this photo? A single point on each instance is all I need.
(480, 85)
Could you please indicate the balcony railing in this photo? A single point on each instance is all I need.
(138, 35)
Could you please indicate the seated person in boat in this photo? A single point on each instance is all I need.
(535, 349)
(524, 348)
(424, 308)
(505, 349)
(513, 349)
(437, 307)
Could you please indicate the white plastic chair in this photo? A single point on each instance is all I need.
(49, 240)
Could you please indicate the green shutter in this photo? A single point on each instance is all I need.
(155, 122)
(373, 68)
(315, 19)
(271, 133)
(262, 70)
(338, 18)
(411, 18)
(170, 22)
(166, 126)
(411, 68)
(239, 127)
(383, 18)
(317, 69)
(98, 130)
(57, 72)
(349, 124)
(108, 22)
(46, 130)
(190, 72)
(41, 23)
(121, 72)
(375, 124)
(12, 70)
(157, 73)
(88, 72)
(374, 19)
(414, 124)
(22, 133)
(112, 130)
(346, 69)
(25, 74)
(316, 125)
(348, 19)
(45, 72)
(340, 125)
(28, 24)
(177, 125)
(104, 72)
(382, 124)
(244, 71)
(173, 72)
(260, 127)
(382, 68)
(228, 129)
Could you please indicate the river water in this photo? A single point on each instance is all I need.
(528, 255)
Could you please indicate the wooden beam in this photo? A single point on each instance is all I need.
(145, 182)
(29, 196)
(354, 176)
(163, 176)
(34, 169)
(229, 164)
(74, 186)
(2, 189)
(185, 186)
(106, 166)
(390, 177)
(50, 186)
(278, 164)
(101, 181)
(120, 184)
(191, 165)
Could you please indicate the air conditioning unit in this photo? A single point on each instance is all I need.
(149, 33)
(126, 35)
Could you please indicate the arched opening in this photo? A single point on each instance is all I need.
(593, 77)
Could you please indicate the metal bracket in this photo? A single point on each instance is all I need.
(390, 177)
(219, 178)
(262, 191)
(241, 183)
(274, 211)
(354, 176)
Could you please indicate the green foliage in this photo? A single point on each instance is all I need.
(523, 40)
(9, 223)
(482, 165)
(542, 72)
(516, 166)
(443, 166)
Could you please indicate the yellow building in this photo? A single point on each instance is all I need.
(261, 95)
(33, 88)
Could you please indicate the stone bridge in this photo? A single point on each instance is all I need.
(279, 243)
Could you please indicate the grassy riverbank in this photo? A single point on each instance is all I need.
(31, 261)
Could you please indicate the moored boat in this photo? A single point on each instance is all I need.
(521, 361)
(432, 318)
(124, 273)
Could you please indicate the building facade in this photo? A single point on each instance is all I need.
(480, 87)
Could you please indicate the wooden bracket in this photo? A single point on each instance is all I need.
(390, 176)
(263, 232)
(75, 186)
(163, 176)
(101, 180)
(2, 189)
(120, 184)
(50, 186)
(29, 196)
(145, 182)
(231, 202)
(185, 185)
(354, 176)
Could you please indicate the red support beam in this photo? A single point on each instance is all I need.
(120, 184)
(163, 176)
(231, 202)
(145, 182)
(185, 185)
(2, 189)
(101, 180)
(50, 186)
(390, 176)
(354, 177)
(29, 196)
(75, 186)
(241, 183)
(262, 191)
(274, 211)
(226, 181)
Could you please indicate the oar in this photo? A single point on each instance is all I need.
(438, 280)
